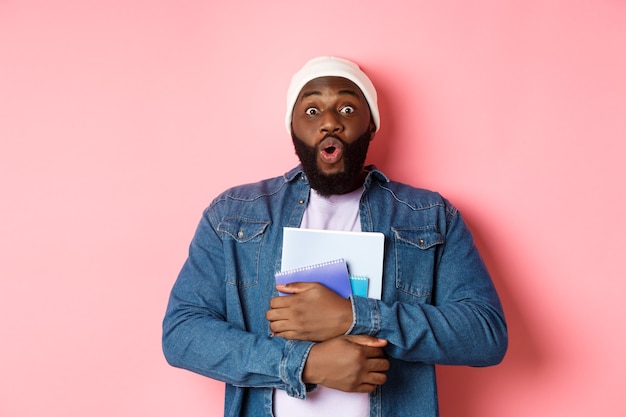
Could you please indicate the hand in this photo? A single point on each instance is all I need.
(312, 312)
(353, 363)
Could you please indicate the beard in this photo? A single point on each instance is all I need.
(354, 155)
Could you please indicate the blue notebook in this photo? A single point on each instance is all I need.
(332, 274)
(359, 285)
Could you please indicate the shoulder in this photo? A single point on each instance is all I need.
(415, 198)
(256, 190)
(418, 198)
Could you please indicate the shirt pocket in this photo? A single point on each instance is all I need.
(416, 259)
(242, 239)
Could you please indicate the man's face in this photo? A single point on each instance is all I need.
(331, 130)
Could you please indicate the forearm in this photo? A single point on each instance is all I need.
(210, 346)
(456, 318)
(458, 333)
(207, 330)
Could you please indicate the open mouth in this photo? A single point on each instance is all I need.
(331, 150)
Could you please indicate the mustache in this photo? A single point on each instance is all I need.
(333, 136)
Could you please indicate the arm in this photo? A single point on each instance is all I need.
(462, 325)
(200, 335)
(353, 363)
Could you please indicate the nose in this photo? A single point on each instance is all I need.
(330, 122)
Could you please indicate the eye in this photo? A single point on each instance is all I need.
(311, 111)
(347, 110)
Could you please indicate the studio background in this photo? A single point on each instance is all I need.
(121, 120)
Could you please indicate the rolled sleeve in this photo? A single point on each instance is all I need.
(292, 367)
(366, 316)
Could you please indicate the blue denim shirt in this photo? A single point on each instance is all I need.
(438, 304)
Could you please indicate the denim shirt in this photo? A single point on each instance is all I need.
(438, 303)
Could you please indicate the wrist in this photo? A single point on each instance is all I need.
(353, 317)
(308, 373)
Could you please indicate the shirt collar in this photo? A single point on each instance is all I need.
(373, 174)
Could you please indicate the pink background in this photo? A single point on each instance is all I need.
(121, 120)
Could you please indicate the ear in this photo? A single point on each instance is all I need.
(372, 130)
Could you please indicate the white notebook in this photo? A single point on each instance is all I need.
(363, 252)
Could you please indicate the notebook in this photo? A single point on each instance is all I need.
(362, 251)
(333, 274)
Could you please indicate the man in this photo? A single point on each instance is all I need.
(313, 352)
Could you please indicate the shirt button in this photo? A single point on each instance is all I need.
(300, 201)
(421, 241)
(240, 234)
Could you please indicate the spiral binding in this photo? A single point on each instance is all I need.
(309, 267)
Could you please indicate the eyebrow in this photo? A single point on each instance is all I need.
(340, 92)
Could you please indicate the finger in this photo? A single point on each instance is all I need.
(275, 302)
(376, 378)
(373, 381)
(285, 288)
(280, 302)
(365, 340)
(366, 388)
(295, 287)
(279, 326)
(276, 314)
(378, 365)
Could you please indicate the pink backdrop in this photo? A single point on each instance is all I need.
(120, 120)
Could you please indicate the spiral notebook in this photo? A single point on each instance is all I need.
(333, 274)
(362, 251)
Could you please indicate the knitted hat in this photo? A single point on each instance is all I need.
(330, 66)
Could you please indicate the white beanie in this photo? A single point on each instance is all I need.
(330, 66)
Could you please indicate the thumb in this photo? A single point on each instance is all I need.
(295, 287)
